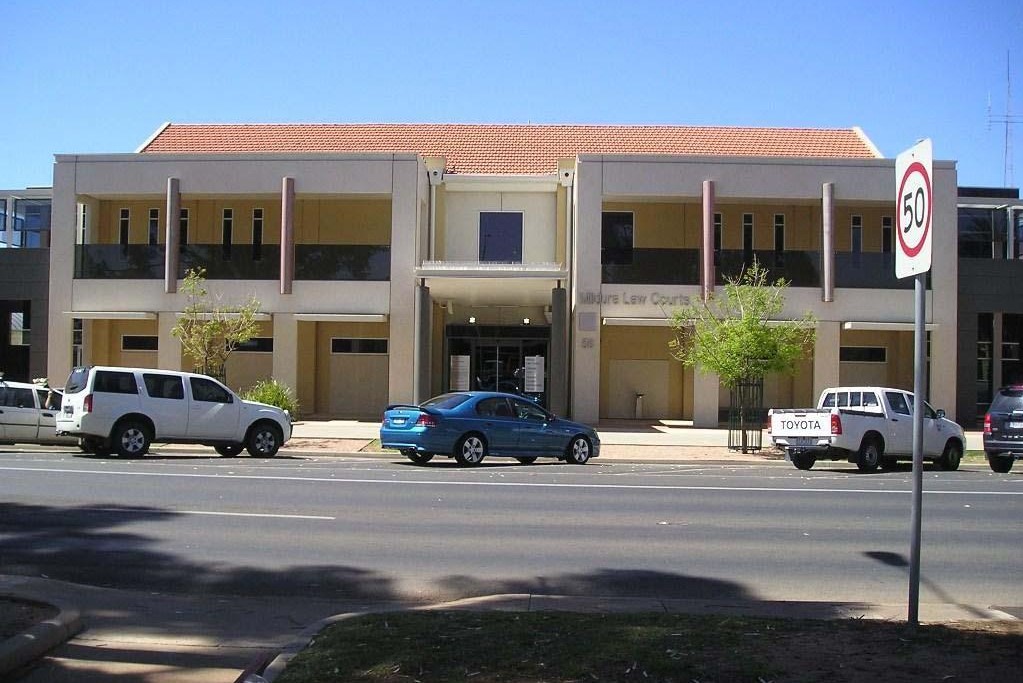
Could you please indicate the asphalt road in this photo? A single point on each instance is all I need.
(383, 529)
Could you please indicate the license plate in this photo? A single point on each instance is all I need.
(397, 420)
(1015, 425)
(802, 440)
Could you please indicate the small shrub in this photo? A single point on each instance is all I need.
(275, 393)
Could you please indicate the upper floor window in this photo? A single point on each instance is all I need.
(154, 226)
(257, 234)
(500, 237)
(83, 222)
(139, 342)
(31, 220)
(856, 228)
(616, 237)
(124, 227)
(358, 345)
(984, 232)
(886, 234)
(227, 225)
(183, 228)
(747, 235)
(718, 227)
(3, 222)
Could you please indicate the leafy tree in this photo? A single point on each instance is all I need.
(209, 331)
(737, 336)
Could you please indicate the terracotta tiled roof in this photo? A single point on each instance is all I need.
(509, 149)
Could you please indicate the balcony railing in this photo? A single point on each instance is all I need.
(119, 261)
(240, 263)
(362, 262)
(655, 267)
(799, 268)
(869, 270)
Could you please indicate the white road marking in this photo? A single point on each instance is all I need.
(506, 484)
(214, 513)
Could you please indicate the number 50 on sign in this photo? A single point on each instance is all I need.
(913, 205)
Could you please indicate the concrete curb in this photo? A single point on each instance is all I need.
(19, 650)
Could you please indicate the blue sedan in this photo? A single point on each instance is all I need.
(471, 425)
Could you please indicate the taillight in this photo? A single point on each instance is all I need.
(836, 424)
(426, 420)
(87, 404)
(987, 423)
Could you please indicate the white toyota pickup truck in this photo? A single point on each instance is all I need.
(870, 426)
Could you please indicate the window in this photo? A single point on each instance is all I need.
(616, 237)
(747, 236)
(3, 222)
(528, 411)
(718, 227)
(228, 227)
(139, 342)
(500, 237)
(898, 402)
(257, 234)
(154, 226)
(779, 232)
(113, 382)
(346, 345)
(183, 228)
(886, 234)
(48, 399)
(18, 397)
(77, 354)
(257, 345)
(164, 386)
(32, 215)
(124, 227)
(863, 354)
(83, 221)
(494, 407)
(208, 391)
(21, 334)
(857, 234)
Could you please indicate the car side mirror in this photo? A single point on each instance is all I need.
(941, 414)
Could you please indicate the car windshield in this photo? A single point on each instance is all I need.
(445, 401)
(76, 380)
(1008, 400)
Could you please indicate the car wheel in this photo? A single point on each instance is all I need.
(889, 464)
(578, 450)
(470, 450)
(803, 461)
(418, 458)
(131, 439)
(950, 457)
(264, 440)
(229, 450)
(869, 456)
(1000, 463)
(526, 459)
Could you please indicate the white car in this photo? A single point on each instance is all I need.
(124, 410)
(28, 413)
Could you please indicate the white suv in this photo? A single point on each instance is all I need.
(126, 409)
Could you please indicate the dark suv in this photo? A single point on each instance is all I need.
(1003, 428)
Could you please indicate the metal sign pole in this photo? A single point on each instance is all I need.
(919, 389)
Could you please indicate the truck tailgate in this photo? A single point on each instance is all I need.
(811, 424)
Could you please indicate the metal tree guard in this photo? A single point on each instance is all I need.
(746, 415)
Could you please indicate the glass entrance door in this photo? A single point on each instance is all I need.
(499, 367)
(508, 359)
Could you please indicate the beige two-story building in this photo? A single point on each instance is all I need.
(396, 261)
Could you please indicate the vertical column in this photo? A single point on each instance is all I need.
(586, 281)
(173, 237)
(403, 321)
(424, 337)
(62, 271)
(707, 250)
(826, 364)
(287, 234)
(557, 398)
(828, 242)
(285, 355)
(706, 397)
(168, 352)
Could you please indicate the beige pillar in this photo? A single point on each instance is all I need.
(586, 324)
(401, 342)
(168, 354)
(64, 219)
(707, 253)
(706, 399)
(828, 242)
(285, 356)
(287, 234)
(826, 356)
(173, 238)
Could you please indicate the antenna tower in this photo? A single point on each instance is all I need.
(1009, 119)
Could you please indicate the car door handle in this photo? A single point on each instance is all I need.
(47, 414)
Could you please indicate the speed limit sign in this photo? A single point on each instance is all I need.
(913, 206)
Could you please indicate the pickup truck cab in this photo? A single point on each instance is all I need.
(28, 414)
(870, 426)
(126, 409)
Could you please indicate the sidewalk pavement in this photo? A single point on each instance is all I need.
(202, 641)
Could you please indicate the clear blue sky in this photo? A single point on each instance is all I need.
(87, 76)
